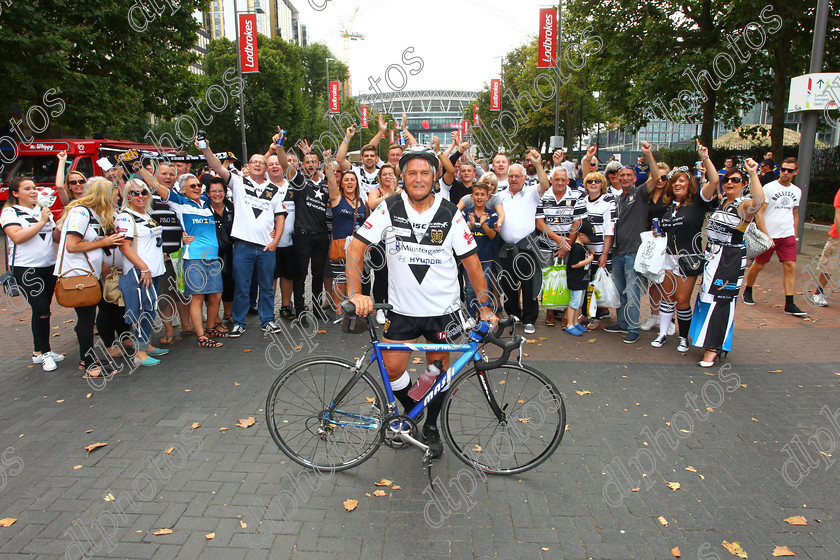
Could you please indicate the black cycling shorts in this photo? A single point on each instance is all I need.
(440, 329)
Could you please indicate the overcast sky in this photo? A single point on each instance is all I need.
(458, 40)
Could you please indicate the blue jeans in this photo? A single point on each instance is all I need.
(472, 302)
(246, 258)
(630, 285)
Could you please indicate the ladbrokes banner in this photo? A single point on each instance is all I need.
(248, 43)
(547, 44)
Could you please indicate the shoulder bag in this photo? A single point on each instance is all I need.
(77, 291)
(756, 241)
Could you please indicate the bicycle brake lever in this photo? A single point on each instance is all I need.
(521, 342)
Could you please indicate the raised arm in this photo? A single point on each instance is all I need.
(383, 128)
(213, 162)
(59, 179)
(709, 189)
(152, 181)
(655, 173)
(586, 166)
(753, 204)
(448, 166)
(410, 140)
(536, 159)
(341, 156)
(335, 192)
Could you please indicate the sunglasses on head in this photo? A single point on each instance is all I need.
(144, 192)
(788, 170)
(593, 181)
(734, 180)
(76, 182)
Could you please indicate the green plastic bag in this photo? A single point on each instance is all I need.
(555, 289)
(178, 265)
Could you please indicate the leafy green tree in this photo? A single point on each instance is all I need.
(109, 69)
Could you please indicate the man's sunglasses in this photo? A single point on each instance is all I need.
(735, 180)
(788, 170)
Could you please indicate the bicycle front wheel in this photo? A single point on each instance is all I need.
(527, 430)
(312, 432)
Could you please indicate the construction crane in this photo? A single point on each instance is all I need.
(348, 36)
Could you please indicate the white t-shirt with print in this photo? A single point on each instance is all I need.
(36, 251)
(778, 215)
(148, 242)
(255, 205)
(367, 181)
(86, 225)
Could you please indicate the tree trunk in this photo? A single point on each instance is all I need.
(708, 117)
(780, 83)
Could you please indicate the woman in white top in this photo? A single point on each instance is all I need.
(28, 228)
(80, 252)
(142, 267)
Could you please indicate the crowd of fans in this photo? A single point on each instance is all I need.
(207, 249)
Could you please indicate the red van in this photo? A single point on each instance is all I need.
(39, 160)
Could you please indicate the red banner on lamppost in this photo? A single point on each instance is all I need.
(476, 117)
(465, 128)
(495, 94)
(392, 136)
(547, 43)
(248, 43)
(334, 107)
(364, 116)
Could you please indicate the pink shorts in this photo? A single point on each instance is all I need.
(785, 248)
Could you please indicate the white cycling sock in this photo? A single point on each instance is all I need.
(401, 383)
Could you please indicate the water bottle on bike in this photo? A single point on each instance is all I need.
(426, 380)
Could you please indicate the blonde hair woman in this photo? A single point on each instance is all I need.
(80, 251)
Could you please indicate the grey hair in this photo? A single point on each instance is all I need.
(182, 180)
(613, 167)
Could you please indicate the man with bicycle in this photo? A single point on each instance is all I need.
(423, 235)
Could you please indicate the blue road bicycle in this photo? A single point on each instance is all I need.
(502, 417)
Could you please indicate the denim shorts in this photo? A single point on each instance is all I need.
(577, 298)
(202, 276)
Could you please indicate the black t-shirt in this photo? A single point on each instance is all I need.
(311, 201)
(577, 278)
(683, 224)
(632, 219)
(656, 208)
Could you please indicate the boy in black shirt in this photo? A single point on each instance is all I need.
(577, 276)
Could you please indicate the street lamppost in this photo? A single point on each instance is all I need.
(257, 10)
(597, 95)
(329, 111)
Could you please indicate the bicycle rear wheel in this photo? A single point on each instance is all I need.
(532, 425)
(299, 419)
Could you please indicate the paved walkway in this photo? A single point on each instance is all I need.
(750, 444)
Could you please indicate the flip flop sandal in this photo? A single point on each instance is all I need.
(206, 342)
(214, 333)
(168, 339)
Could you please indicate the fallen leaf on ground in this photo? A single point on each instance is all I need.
(187, 390)
(368, 494)
(109, 497)
(545, 549)
(502, 382)
(89, 395)
(222, 429)
(77, 467)
(775, 371)
(525, 420)
(243, 524)
(88, 431)
(235, 384)
(322, 331)
(754, 420)
(296, 348)
(701, 477)
(797, 520)
(60, 401)
(591, 340)
(370, 399)
(542, 338)
(246, 422)
(8, 521)
(246, 350)
(93, 446)
(170, 450)
(520, 401)
(734, 548)
(584, 392)
(673, 485)
(417, 361)
(685, 431)
(782, 551)
(709, 409)
(675, 552)
(663, 521)
(379, 493)
(162, 532)
(396, 487)
(68, 321)
(635, 489)
(384, 482)
(531, 340)
(690, 469)
(477, 448)
(195, 425)
(209, 536)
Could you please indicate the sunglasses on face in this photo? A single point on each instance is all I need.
(593, 182)
(735, 180)
(76, 182)
(788, 170)
(144, 192)
(195, 186)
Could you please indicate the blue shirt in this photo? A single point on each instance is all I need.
(486, 246)
(197, 220)
(642, 170)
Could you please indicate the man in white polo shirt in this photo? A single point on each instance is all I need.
(258, 210)
(520, 255)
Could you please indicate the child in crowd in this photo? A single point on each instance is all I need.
(577, 276)
(492, 183)
(482, 224)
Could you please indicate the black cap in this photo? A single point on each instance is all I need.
(418, 151)
(586, 228)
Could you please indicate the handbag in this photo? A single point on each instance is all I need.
(691, 265)
(555, 290)
(222, 238)
(7, 279)
(77, 291)
(756, 241)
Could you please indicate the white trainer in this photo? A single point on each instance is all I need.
(653, 321)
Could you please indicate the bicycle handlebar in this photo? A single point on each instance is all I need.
(507, 347)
